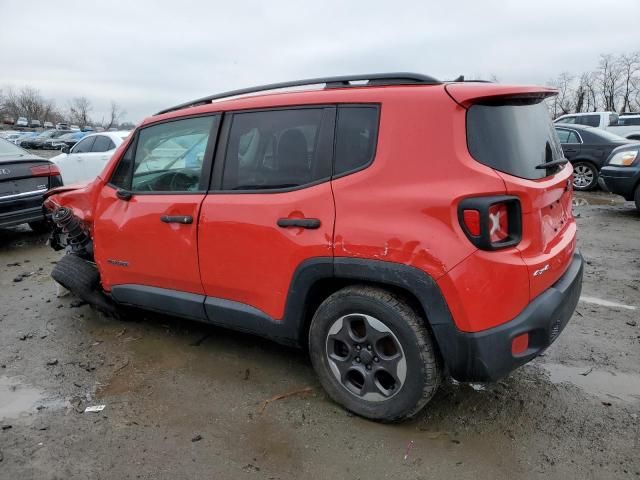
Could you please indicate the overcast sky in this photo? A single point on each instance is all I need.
(147, 55)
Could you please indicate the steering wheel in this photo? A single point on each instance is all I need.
(181, 181)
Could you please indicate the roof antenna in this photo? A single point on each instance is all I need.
(459, 79)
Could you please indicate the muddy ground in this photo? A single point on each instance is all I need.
(186, 400)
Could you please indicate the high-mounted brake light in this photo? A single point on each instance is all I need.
(45, 170)
(492, 222)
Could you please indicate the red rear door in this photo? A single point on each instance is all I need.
(272, 206)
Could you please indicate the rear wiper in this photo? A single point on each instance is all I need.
(555, 163)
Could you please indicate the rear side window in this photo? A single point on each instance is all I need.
(591, 120)
(567, 136)
(276, 149)
(567, 120)
(356, 136)
(513, 137)
(102, 144)
(84, 146)
(629, 121)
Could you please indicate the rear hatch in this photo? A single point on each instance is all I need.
(23, 183)
(17, 178)
(509, 129)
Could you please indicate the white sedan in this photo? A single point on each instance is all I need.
(86, 159)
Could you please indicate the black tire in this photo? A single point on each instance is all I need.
(422, 367)
(636, 197)
(82, 278)
(41, 226)
(585, 176)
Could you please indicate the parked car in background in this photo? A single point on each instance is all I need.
(24, 136)
(24, 179)
(62, 126)
(12, 137)
(621, 174)
(6, 133)
(37, 141)
(22, 122)
(587, 148)
(626, 125)
(48, 125)
(8, 120)
(34, 124)
(74, 128)
(66, 140)
(86, 159)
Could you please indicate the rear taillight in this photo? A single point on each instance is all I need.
(491, 222)
(45, 170)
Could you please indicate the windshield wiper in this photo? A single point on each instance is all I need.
(555, 163)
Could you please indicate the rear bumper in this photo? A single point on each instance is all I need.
(21, 216)
(620, 180)
(486, 356)
(23, 210)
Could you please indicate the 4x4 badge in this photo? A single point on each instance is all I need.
(4, 171)
(539, 272)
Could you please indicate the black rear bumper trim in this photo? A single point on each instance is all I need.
(486, 356)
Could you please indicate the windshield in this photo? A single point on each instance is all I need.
(8, 148)
(513, 137)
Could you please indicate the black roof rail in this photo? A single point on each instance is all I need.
(400, 78)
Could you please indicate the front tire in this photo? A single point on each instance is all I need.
(585, 176)
(373, 354)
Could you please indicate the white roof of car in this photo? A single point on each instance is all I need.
(118, 136)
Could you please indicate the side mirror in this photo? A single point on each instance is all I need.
(124, 194)
(65, 149)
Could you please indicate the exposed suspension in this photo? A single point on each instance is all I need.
(74, 236)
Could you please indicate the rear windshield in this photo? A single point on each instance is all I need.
(513, 137)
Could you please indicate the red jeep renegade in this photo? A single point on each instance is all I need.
(400, 227)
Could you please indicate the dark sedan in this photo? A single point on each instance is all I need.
(587, 148)
(68, 139)
(24, 179)
(39, 140)
(621, 175)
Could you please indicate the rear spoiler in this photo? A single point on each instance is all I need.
(466, 94)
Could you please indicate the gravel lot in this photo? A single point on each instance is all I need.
(185, 400)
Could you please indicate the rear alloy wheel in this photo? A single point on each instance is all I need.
(585, 176)
(373, 354)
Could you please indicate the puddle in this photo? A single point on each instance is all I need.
(603, 384)
(17, 398)
(582, 199)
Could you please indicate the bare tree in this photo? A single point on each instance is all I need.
(79, 110)
(26, 102)
(114, 116)
(609, 75)
(629, 66)
(562, 102)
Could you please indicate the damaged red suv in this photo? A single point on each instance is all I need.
(400, 227)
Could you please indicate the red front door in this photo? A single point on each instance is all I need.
(147, 216)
